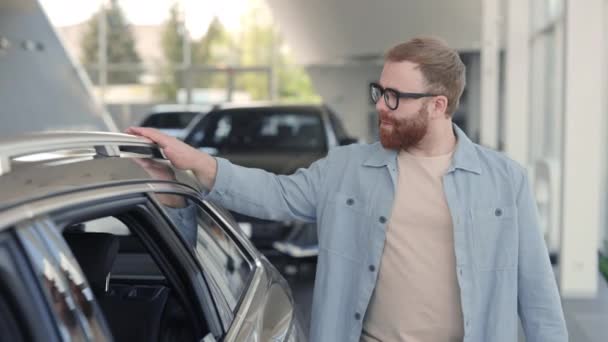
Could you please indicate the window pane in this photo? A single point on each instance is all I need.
(55, 286)
(219, 256)
(174, 120)
(252, 130)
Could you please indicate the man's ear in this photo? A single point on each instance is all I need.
(439, 106)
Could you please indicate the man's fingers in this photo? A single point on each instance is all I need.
(156, 136)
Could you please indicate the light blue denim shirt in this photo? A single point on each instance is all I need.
(502, 262)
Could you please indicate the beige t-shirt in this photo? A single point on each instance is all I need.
(417, 297)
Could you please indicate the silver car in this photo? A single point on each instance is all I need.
(101, 239)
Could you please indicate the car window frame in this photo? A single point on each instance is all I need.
(227, 313)
(142, 202)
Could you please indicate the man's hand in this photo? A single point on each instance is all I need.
(181, 155)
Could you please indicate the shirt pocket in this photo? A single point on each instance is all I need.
(495, 237)
(343, 227)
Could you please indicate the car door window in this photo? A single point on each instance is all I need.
(9, 327)
(92, 318)
(219, 256)
(138, 297)
(54, 285)
(25, 313)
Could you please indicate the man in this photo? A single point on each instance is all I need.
(424, 236)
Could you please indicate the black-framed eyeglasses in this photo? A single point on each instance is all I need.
(392, 96)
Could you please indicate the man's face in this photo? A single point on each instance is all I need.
(407, 125)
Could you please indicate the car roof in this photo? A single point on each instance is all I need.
(39, 165)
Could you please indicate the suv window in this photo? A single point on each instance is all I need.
(220, 257)
(256, 129)
(170, 120)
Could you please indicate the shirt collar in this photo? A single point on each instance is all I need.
(465, 156)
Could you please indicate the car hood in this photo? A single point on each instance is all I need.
(276, 162)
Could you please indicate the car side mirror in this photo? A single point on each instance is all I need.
(348, 141)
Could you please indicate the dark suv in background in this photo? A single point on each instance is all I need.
(176, 120)
(279, 139)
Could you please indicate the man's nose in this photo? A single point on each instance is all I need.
(381, 106)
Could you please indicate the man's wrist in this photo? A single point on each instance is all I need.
(205, 170)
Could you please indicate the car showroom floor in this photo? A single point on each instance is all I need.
(587, 319)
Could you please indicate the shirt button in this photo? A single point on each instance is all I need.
(357, 316)
(382, 219)
(372, 268)
(498, 212)
(350, 201)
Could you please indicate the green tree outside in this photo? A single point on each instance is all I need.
(120, 46)
(172, 41)
(261, 45)
(257, 45)
(214, 49)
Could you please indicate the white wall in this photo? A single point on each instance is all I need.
(345, 88)
(334, 31)
(583, 140)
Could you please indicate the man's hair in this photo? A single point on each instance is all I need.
(440, 65)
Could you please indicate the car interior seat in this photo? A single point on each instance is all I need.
(133, 312)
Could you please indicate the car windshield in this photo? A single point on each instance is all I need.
(169, 120)
(268, 130)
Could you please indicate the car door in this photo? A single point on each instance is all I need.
(256, 300)
(66, 288)
(24, 314)
(153, 291)
(228, 267)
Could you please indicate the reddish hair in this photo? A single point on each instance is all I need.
(440, 65)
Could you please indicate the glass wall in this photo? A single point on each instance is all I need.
(546, 112)
(546, 87)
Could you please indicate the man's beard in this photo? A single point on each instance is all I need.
(405, 133)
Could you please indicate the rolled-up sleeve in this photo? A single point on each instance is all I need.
(261, 194)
